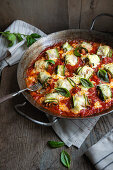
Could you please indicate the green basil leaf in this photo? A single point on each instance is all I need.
(19, 37)
(54, 144)
(78, 51)
(102, 74)
(5, 34)
(35, 35)
(50, 61)
(30, 40)
(65, 159)
(86, 83)
(11, 38)
(63, 91)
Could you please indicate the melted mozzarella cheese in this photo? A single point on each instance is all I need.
(71, 59)
(79, 103)
(109, 67)
(86, 45)
(94, 60)
(103, 50)
(63, 107)
(64, 84)
(85, 72)
(97, 105)
(40, 65)
(43, 76)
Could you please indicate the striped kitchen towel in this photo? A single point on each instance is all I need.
(71, 132)
(101, 154)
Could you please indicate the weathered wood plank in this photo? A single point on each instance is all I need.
(91, 8)
(49, 16)
(74, 13)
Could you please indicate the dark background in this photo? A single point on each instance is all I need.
(56, 15)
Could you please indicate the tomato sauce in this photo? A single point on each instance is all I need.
(31, 78)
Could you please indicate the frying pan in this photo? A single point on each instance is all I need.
(33, 52)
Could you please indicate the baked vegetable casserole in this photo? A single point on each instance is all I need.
(75, 78)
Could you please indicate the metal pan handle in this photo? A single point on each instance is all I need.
(33, 120)
(100, 15)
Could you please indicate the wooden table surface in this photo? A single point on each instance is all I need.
(23, 144)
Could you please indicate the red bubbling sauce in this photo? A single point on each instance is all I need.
(31, 78)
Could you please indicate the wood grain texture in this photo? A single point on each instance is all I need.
(23, 144)
(48, 15)
(74, 13)
(92, 8)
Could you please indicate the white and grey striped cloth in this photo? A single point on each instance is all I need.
(72, 132)
(101, 154)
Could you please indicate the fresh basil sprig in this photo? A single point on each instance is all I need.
(102, 74)
(11, 37)
(55, 144)
(65, 159)
(86, 83)
(50, 61)
(63, 91)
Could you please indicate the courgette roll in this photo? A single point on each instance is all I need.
(74, 80)
(64, 84)
(60, 70)
(86, 45)
(109, 68)
(85, 72)
(93, 60)
(79, 102)
(67, 46)
(43, 76)
(104, 51)
(52, 98)
(71, 59)
(40, 65)
(104, 92)
(52, 54)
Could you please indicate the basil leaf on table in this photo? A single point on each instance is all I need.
(19, 37)
(63, 91)
(11, 37)
(35, 35)
(50, 61)
(86, 83)
(54, 144)
(102, 74)
(65, 159)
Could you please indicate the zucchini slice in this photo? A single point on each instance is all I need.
(109, 68)
(86, 45)
(74, 80)
(43, 76)
(85, 72)
(52, 98)
(64, 84)
(67, 46)
(61, 70)
(79, 102)
(104, 51)
(94, 60)
(41, 65)
(71, 59)
(52, 54)
(104, 92)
